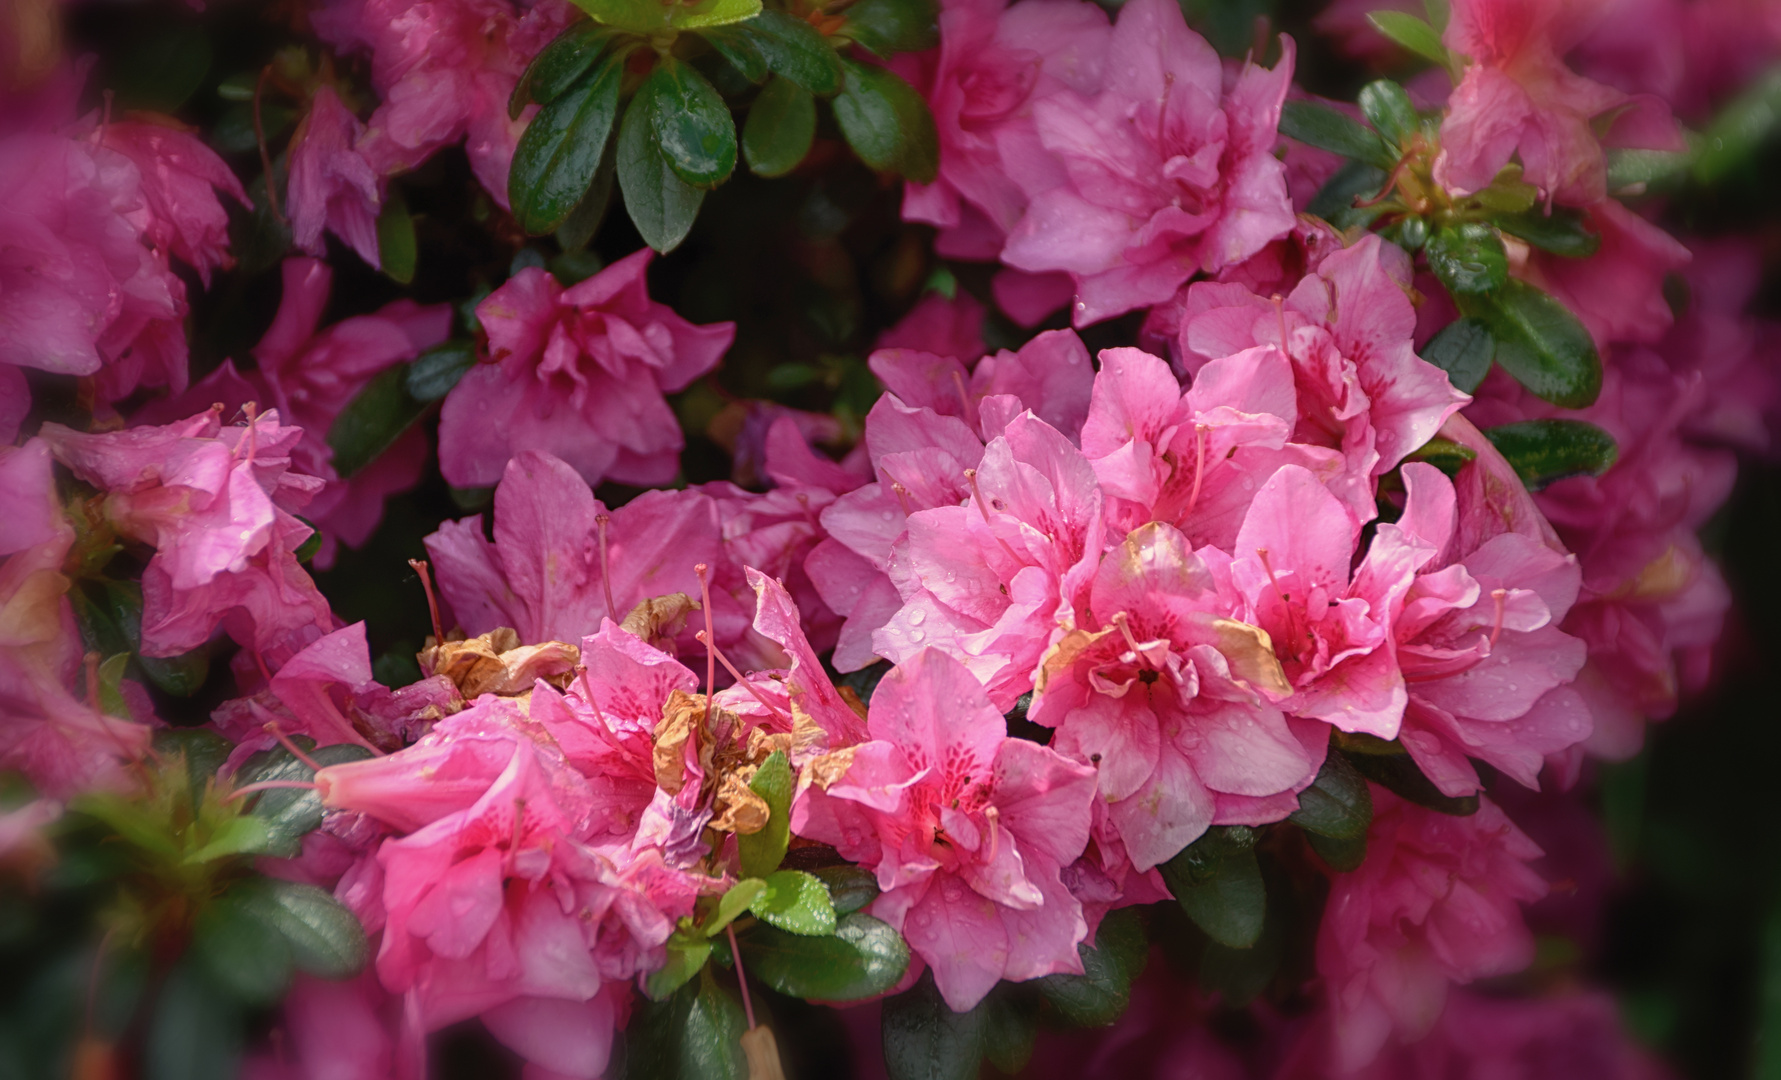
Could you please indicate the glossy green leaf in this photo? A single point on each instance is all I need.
(324, 938)
(863, 958)
(578, 229)
(693, 128)
(1335, 202)
(1543, 451)
(850, 887)
(660, 203)
(636, 16)
(555, 161)
(1412, 33)
(1396, 771)
(926, 1040)
(373, 420)
(1010, 1027)
(232, 945)
(1540, 343)
(893, 26)
(781, 126)
(887, 123)
(1337, 803)
(796, 902)
(1240, 975)
(434, 372)
(1387, 107)
(396, 247)
(761, 852)
(1739, 128)
(1628, 168)
(195, 1031)
(1099, 995)
(1327, 129)
(245, 835)
(1564, 231)
(291, 813)
(704, 13)
(1468, 258)
(795, 51)
(559, 65)
(1219, 884)
(1342, 855)
(1202, 860)
(710, 1041)
(738, 47)
(1463, 349)
(740, 897)
(1444, 454)
(687, 954)
(109, 614)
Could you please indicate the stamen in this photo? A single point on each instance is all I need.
(977, 495)
(902, 494)
(1193, 496)
(600, 522)
(1496, 631)
(420, 567)
(711, 648)
(1120, 620)
(741, 977)
(1292, 621)
(958, 383)
(270, 785)
(271, 727)
(709, 637)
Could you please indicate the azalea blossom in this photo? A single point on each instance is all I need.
(332, 186)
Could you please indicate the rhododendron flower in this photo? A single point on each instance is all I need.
(1347, 329)
(217, 504)
(578, 373)
(1051, 375)
(560, 562)
(337, 1029)
(1481, 1036)
(1168, 173)
(1618, 292)
(180, 179)
(1518, 99)
(989, 581)
(966, 829)
(1435, 902)
(994, 63)
(945, 327)
(1172, 701)
(332, 186)
(312, 374)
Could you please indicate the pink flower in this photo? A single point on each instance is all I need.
(990, 580)
(331, 184)
(994, 63)
(1619, 291)
(217, 504)
(1436, 902)
(1168, 173)
(312, 374)
(556, 568)
(336, 1030)
(940, 326)
(180, 181)
(1347, 329)
(578, 373)
(1518, 99)
(1171, 699)
(966, 829)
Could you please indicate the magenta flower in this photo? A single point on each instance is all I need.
(1172, 700)
(1051, 375)
(180, 180)
(1168, 174)
(578, 373)
(217, 503)
(940, 326)
(1619, 291)
(561, 562)
(1437, 901)
(966, 829)
(331, 185)
(1347, 330)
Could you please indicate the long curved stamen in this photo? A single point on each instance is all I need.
(1193, 497)
(709, 638)
(983, 508)
(271, 728)
(600, 522)
(519, 824)
(1498, 596)
(711, 647)
(421, 568)
(902, 494)
(958, 383)
(269, 785)
(741, 977)
(1292, 620)
(1120, 620)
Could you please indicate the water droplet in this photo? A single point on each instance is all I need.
(951, 890)
(888, 515)
(917, 617)
(917, 636)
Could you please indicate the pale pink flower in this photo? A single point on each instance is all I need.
(1437, 901)
(1168, 173)
(966, 829)
(331, 185)
(1172, 700)
(181, 178)
(578, 373)
(217, 503)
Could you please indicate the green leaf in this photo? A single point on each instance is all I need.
(1334, 202)
(1463, 349)
(1387, 107)
(1342, 855)
(850, 887)
(795, 51)
(864, 958)
(238, 954)
(1010, 1027)
(1468, 259)
(109, 614)
(1396, 771)
(1561, 232)
(763, 851)
(1219, 885)
(555, 161)
(740, 897)
(1327, 129)
(161, 71)
(245, 835)
(579, 227)
(1540, 343)
(781, 126)
(203, 752)
(693, 128)
(1439, 12)
(124, 817)
(1337, 803)
(1543, 451)
(1444, 454)
(396, 249)
(1240, 975)
(703, 13)
(1412, 33)
(433, 373)
(559, 65)
(661, 204)
(796, 902)
(710, 1043)
(687, 954)
(739, 48)
(1508, 193)
(1100, 995)
(373, 420)
(291, 813)
(636, 16)
(1739, 128)
(892, 26)
(887, 123)
(926, 1040)
(324, 938)
(1628, 168)
(195, 1032)
(111, 677)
